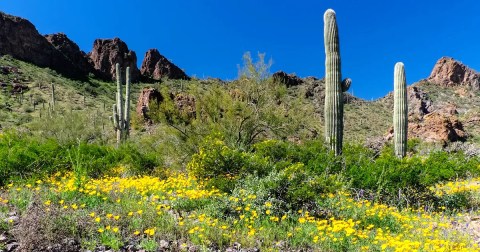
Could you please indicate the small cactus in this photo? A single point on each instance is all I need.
(400, 111)
(334, 86)
(121, 114)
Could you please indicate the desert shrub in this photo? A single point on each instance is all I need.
(221, 164)
(20, 156)
(246, 111)
(72, 126)
(23, 155)
(456, 201)
(307, 170)
(40, 228)
(304, 186)
(442, 166)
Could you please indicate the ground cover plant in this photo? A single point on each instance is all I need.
(277, 196)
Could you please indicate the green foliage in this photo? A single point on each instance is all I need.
(22, 156)
(258, 71)
(69, 127)
(302, 172)
(222, 164)
(304, 186)
(246, 111)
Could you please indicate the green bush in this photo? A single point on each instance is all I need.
(22, 156)
(215, 159)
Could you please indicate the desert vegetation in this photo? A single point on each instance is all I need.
(210, 165)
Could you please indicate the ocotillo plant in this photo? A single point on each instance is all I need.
(334, 87)
(121, 115)
(400, 111)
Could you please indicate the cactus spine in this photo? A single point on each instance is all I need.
(400, 111)
(334, 86)
(121, 114)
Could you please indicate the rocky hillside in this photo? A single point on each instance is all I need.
(20, 39)
(443, 108)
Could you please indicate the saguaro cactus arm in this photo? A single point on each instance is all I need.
(400, 111)
(346, 84)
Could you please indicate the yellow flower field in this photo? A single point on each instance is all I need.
(181, 207)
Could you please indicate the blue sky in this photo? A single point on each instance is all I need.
(208, 38)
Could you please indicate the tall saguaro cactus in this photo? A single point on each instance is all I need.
(334, 86)
(121, 114)
(400, 111)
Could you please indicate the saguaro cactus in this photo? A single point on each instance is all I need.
(400, 111)
(121, 114)
(334, 87)
(53, 95)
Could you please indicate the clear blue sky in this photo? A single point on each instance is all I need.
(207, 38)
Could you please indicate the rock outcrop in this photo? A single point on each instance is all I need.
(106, 53)
(71, 51)
(20, 39)
(155, 67)
(185, 103)
(438, 127)
(289, 80)
(449, 72)
(419, 104)
(148, 96)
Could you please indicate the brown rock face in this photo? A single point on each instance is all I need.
(106, 53)
(288, 79)
(419, 104)
(441, 125)
(20, 39)
(184, 103)
(71, 51)
(146, 98)
(449, 72)
(155, 67)
(438, 127)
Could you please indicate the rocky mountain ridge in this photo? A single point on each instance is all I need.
(20, 39)
(445, 119)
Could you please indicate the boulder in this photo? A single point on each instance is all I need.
(419, 104)
(448, 72)
(9, 70)
(18, 88)
(289, 80)
(71, 51)
(146, 98)
(155, 67)
(106, 53)
(20, 39)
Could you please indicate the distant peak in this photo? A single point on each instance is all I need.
(449, 72)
